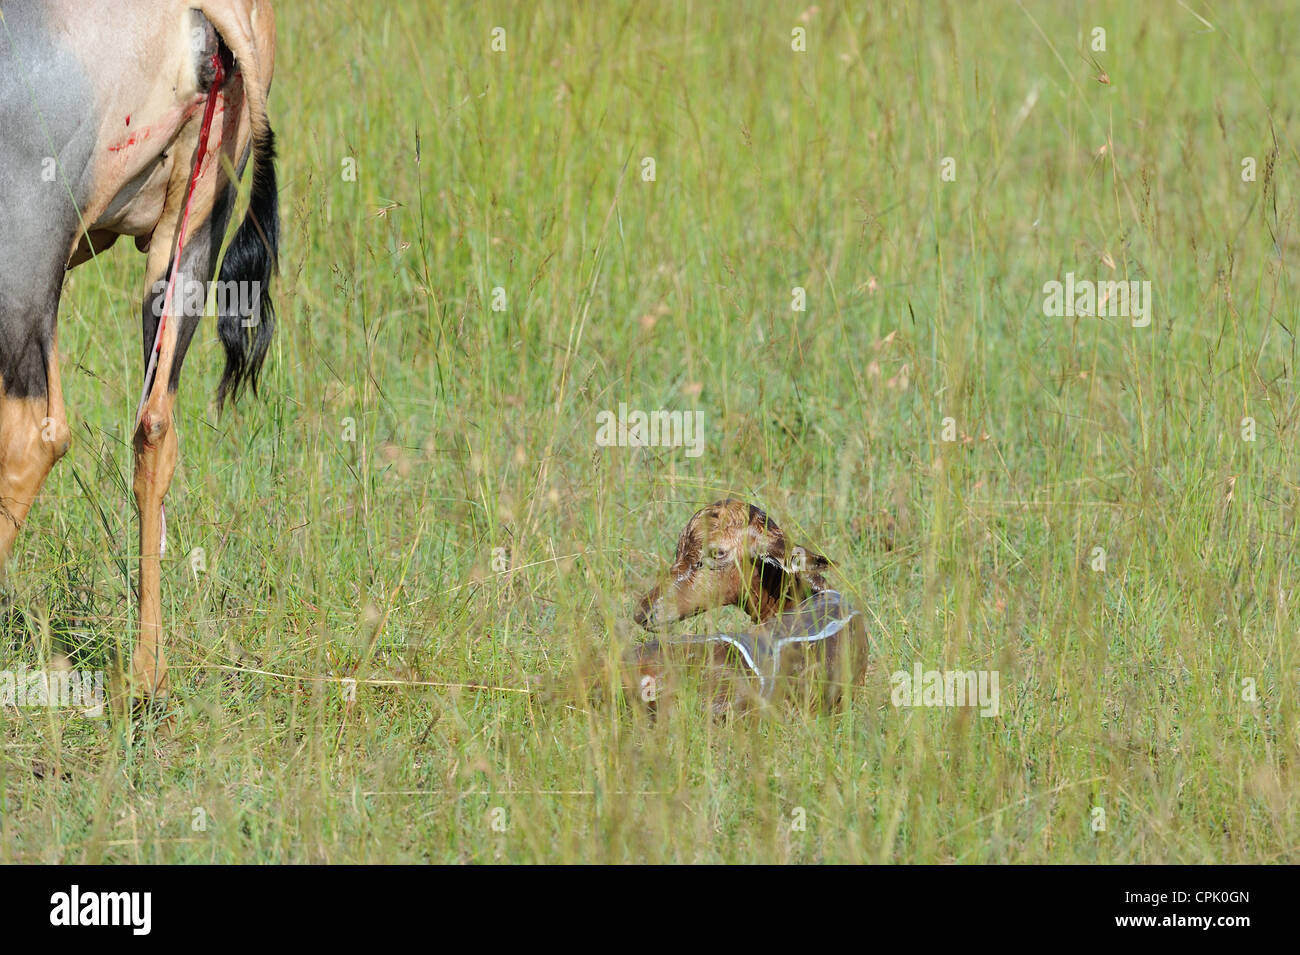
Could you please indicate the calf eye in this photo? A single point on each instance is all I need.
(719, 553)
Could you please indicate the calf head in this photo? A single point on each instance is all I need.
(732, 554)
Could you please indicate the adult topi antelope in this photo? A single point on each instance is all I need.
(129, 117)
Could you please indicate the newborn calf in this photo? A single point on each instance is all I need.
(807, 637)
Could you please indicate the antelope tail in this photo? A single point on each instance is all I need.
(247, 27)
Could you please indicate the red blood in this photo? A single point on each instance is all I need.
(204, 130)
(131, 140)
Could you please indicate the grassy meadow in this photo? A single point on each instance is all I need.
(417, 500)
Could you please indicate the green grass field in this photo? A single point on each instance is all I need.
(348, 519)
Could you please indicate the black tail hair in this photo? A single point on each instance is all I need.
(251, 257)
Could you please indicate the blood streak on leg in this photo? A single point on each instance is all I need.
(204, 131)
